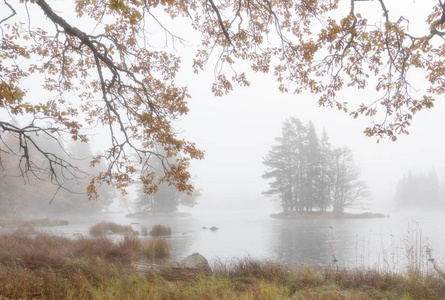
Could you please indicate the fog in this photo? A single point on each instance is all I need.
(237, 131)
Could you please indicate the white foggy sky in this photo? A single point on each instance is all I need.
(237, 130)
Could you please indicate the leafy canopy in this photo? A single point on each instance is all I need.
(96, 66)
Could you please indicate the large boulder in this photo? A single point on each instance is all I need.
(196, 262)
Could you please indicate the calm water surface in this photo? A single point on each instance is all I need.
(389, 243)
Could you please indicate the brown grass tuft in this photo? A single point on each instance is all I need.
(144, 231)
(251, 268)
(160, 230)
(157, 249)
(102, 228)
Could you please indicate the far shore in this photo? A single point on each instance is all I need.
(149, 214)
(325, 215)
(21, 222)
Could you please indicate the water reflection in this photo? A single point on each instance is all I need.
(314, 241)
(381, 243)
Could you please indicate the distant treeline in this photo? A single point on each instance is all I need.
(25, 192)
(22, 193)
(420, 191)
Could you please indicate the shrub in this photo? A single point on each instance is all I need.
(101, 229)
(144, 231)
(156, 249)
(159, 230)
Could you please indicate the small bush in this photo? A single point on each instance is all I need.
(156, 249)
(49, 222)
(159, 230)
(102, 228)
(144, 231)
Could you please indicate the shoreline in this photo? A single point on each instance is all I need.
(53, 267)
(150, 214)
(325, 215)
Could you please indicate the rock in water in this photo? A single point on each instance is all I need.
(214, 228)
(195, 261)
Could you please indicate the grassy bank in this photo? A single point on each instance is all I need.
(46, 266)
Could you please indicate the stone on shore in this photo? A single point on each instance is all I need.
(196, 262)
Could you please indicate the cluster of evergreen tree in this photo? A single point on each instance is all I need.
(308, 174)
(421, 191)
(167, 198)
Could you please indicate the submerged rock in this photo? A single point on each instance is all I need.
(214, 228)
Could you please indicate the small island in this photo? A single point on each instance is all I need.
(311, 178)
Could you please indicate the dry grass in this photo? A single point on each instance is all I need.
(44, 250)
(103, 228)
(157, 248)
(250, 268)
(417, 285)
(44, 266)
(160, 230)
(144, 230)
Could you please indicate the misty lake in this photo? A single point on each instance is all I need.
(386, 243)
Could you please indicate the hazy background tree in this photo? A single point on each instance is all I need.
(73, 197)
(22, 192)
(285, 165)
(311, 157)
(347, 188)
(13, 195)
(325, 181)
(308, 174)
(166, 198)
(420, 191)
(35, 197)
